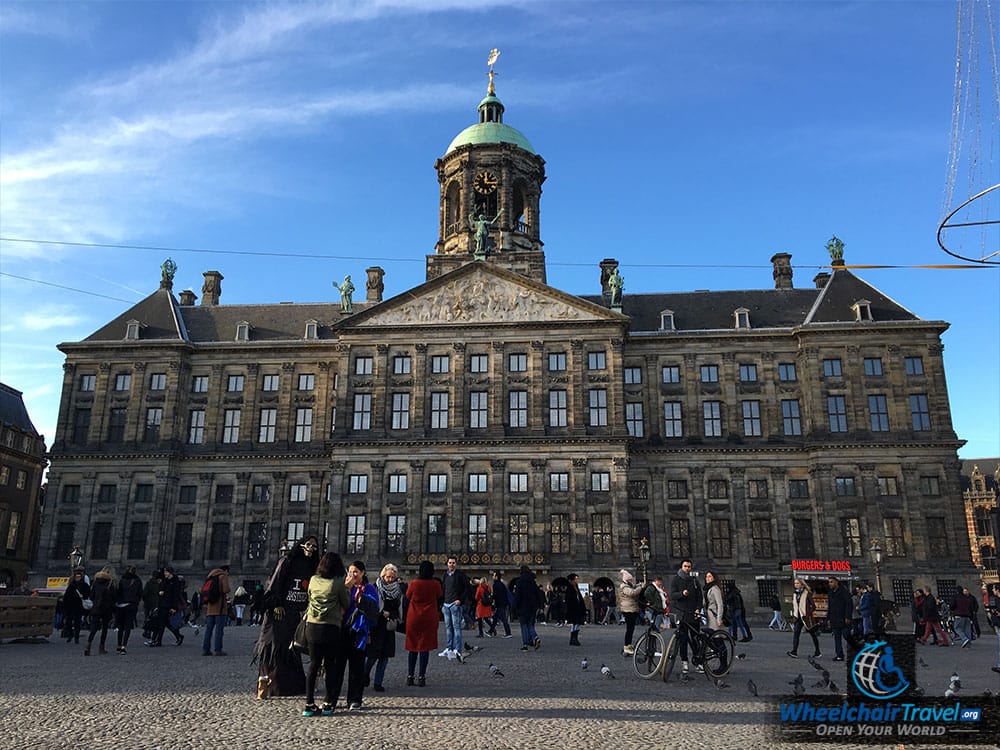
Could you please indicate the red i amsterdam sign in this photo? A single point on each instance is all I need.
(819, 566)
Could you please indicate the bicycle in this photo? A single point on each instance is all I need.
(650, 652)
(714, 651)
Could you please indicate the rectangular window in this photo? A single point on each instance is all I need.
(518, 412)
(234, 384)
(395, 534)
(557, 408)
(850, 532)
(479, 363)
(786, 372)
(437, 540)
(298, 493)
(559, 481)
(677, 489)
(22, 478)
(261, 493)
(597, 361)
(638, 531)
(99, 543)
(895, 544)
(257, 540)
(712, 418)
(364, 365)
(439, 410)
(271, 383)
(362, 411)
(196, 426)
(878, 410)
(116, 425)
(437, 483)
(845, 486)
(930, 486)
(397, 483)
(718, 489)
(836, 410)
(748, 373)
(517, 527)
(600, 481)
(158, 381)
(188, 494)
(478, 401)
(199, 384)
(295, 531)
(231, 428)
(88, 382)
(633, 420)
(751, 418)
(598, 407)
(402, 365)
(790, 418)
(307, 381)
(559, 533)
(873, 365)
(154, 418)
(920, 413)
(218, 546)
(633, 375)
(5, 474)
(137, 534)
(761, 539)
(355, 540)
(831, 368)
(680, 538)
(720, 540)
(673, 427)
(477, 533)
(914, 365)
(887, 486)
(709, 373)
(223, 494)
(477, 483)
(401, 411)
(107, 493)
(268, 420)
(65, 531)
(937, 536)
(81, 425)
(557, 361)
(182, 541)
(802, 536)
(756, 489)
(123, 381)
(143, 493)
(357, 484)
(600, 536)
(517, 362)
(798, 488)
(517, 482)
(440, 364)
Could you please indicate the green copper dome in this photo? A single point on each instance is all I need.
(490, 132)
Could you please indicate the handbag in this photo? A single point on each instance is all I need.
(300, 643)
(88, 604)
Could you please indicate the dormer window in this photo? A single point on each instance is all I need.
(243, 331)
(862, 310)
(132, 330)
(667, 320)
(742, 317)
(312, 329)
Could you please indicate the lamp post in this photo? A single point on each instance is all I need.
(876, 553)
(75, 557)
(644, 556)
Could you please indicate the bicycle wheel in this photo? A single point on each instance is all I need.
(670, 657)
(720, 648)
(649, 654)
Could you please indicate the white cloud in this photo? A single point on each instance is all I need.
(45, 20)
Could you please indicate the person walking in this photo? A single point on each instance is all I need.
(166, 606)
(328, 599)
(484, 608)
(932, 620)
(628, 604)
(803, 610)
(714, 603)
(501, 605)
(150, 598)
(871, 610)
(685, 598)
(103, 593)
(839, 616)
(360, 617)
(240, 601)
(734, 599)
(576, 609)
(457, 590)
(216, 612)
(127, 606)
(422, 597)
(528, 599)
(77, 592)
(993, 618)
(382, 645)
(962, 604)
(777, 621)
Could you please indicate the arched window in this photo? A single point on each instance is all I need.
(453, 209)
(989, 556)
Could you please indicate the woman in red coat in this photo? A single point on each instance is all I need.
(423, 596)
(484, 607)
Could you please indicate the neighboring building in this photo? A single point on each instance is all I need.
(980, 481)
(22, 462)
(487, 413)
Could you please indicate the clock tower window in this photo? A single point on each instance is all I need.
(453, 209)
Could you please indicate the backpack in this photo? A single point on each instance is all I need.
(486, 598)
(211, 592)
(651, 598)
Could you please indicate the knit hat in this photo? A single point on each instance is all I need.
(626, 576)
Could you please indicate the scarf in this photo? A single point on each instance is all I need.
(388, 590)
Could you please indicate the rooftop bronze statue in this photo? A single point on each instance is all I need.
(346, 291)
(482, 225)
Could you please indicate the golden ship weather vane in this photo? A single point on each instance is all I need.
(490, 61)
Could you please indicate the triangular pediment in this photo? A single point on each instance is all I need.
(481, 294)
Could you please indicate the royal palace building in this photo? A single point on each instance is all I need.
(489, 414)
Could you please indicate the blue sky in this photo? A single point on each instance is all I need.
(691, 141)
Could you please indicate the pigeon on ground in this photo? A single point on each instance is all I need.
(956, 681)
(584, 664)
(815, 664)
(752, 688)
(921, 662)
(741, 657)
(606, 671)
(798, 689)
(461, 657)
(797, 681)
(720, 684)
(495, 670)
(467, 647)
(834, 688)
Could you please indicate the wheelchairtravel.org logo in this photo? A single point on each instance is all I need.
(884, 703)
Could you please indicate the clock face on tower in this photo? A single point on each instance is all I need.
(485, 183)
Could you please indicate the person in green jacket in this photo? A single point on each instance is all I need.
(328, 599)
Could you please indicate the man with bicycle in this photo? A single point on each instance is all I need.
(685, 599)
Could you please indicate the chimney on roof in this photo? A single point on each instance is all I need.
(607, 265)
(375, 284)
(212, 289)
(782, 270)
(820, 279)
(187, 298)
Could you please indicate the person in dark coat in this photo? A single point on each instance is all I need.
(76, 591)
(103, 593)
(382, 639)
(285, 599)
(422, 598)
(167, 602)
(576, 610)
(127, 606)
(734, 600)
(840, 610)
(685, 599)
(528, 599)
(932, 620)
(501, 605)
